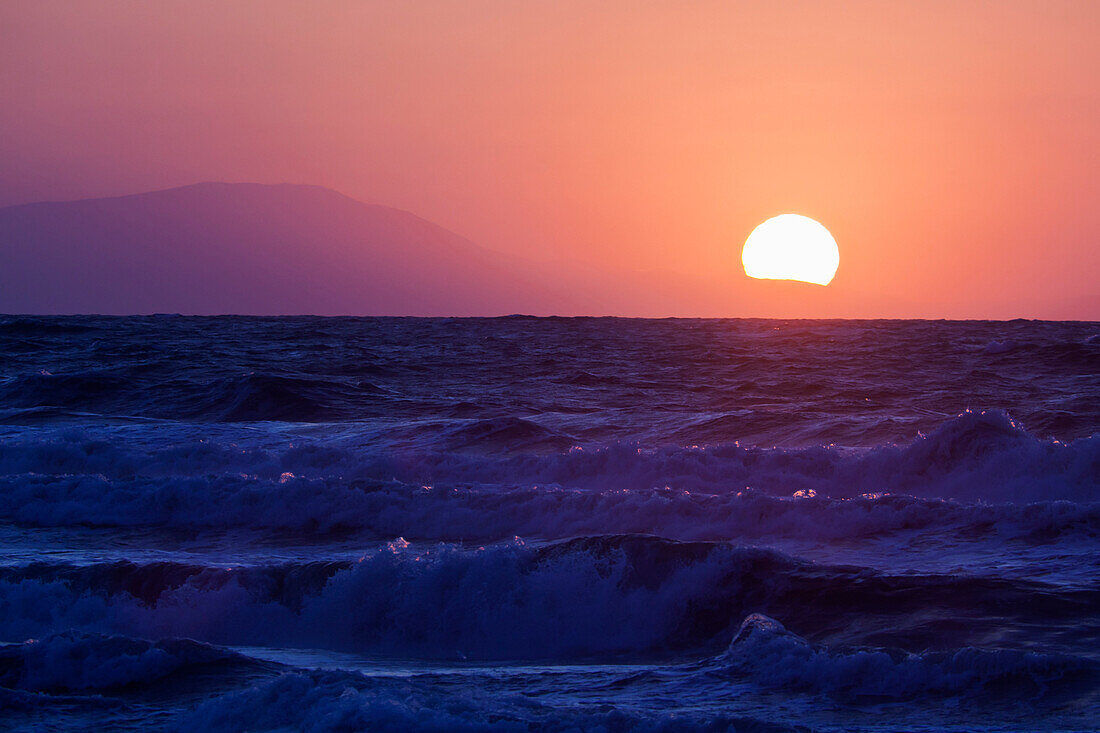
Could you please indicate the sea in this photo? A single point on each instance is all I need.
(548, 524)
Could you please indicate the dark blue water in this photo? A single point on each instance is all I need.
(549, 524)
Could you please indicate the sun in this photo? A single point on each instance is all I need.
(791, 247)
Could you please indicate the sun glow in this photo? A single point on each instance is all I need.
(791, 247)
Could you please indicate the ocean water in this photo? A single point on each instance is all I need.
(549, 524)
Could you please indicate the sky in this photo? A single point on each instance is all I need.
(952, 148)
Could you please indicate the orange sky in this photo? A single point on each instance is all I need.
(952, 148)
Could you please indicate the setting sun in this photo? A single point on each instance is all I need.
(791, 247)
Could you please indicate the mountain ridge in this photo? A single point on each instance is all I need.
(249, 248)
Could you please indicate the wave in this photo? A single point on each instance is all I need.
(81, 678)
(510, 433)
(143, 390)
(74, 661)
(978, 473)
(254, 397)
(771, 656)
(17, 326)
(330, 700)
(768, 382)
(87, 391)
(763, 658)
(371, 510)
(582, 598)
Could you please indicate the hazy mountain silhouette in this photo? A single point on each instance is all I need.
(249, 248)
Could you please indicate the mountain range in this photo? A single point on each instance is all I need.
(249, 248)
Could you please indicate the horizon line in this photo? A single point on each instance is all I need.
(542, 317)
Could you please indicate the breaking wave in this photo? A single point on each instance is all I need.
(575, 599)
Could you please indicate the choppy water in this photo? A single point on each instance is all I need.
(549, 524)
